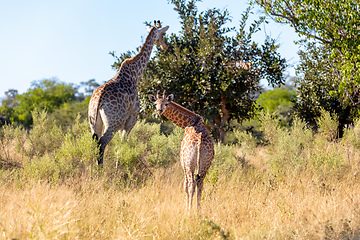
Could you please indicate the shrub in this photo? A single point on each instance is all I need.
(224, 164)
(246, 140)
(328, 125)
(136, 156)
(352, 135)
(44, 137)
(165, 150)
(297, 149)
(10, 137)
(269, 125)
(76, 153)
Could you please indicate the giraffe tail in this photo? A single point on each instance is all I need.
(95, 137)
(198, 175)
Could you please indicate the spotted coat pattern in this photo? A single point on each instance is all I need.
(197, 147)
(115, 104)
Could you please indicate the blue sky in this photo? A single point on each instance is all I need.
(71, 39)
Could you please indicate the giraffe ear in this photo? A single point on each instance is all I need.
(148, 28)
(152, 98)
(170, 98)
(164, 29)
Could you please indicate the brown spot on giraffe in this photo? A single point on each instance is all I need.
(197, 147)
(115, 104)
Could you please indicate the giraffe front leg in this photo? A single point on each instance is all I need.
(129, 124)
(132, 117)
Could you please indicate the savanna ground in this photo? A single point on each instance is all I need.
(293, 185)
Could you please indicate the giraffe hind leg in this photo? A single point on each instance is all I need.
(199, 188)
(191, 190)
(186, 189)
(96, 129)
(104, 140)
(96, 138)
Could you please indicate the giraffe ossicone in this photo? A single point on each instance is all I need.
(197, 147)
(115, 104)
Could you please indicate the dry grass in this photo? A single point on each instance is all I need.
(299, 186)
(235, 207)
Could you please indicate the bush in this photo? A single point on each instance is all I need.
(328, 125)
(298, 149)
(10, 140)
(246, 140)
(224, 164)
(44, 137)
(74, 154)
(49, 152)
(352, 135)
(137, 155)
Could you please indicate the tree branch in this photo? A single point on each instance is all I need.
(293, 23)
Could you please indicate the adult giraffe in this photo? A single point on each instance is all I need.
(197, 147)
(115, 104)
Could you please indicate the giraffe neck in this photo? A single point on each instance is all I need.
(137, 65)
(179, 115)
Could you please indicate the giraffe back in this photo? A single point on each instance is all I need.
(113, 92)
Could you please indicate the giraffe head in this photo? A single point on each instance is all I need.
(159, 34)
(161, 102)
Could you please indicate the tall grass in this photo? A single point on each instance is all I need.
(295, 185)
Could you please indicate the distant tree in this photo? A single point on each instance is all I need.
(69, 111)
(90, 86)
(7, 105)
(279, 100)
(212, 69)
(10, 97)
(47, 94)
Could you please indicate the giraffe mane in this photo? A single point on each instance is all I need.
(182, 109)
(133, 59)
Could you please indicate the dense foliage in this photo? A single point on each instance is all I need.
(47, 94)
(63, 102)
(318, 88)
(280, 101)
(336, 25)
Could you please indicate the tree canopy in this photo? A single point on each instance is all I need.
(317, 78)
(336, 25)
(275, 99)
(212, 69)
(47, 94)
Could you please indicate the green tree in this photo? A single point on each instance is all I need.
(279, 100)
(69, 111)
(317, 79)
(47, 94)
(7, 105)
(336, 25)
(212, 69)
(90, 86)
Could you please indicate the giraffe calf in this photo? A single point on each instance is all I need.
(197, 147)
